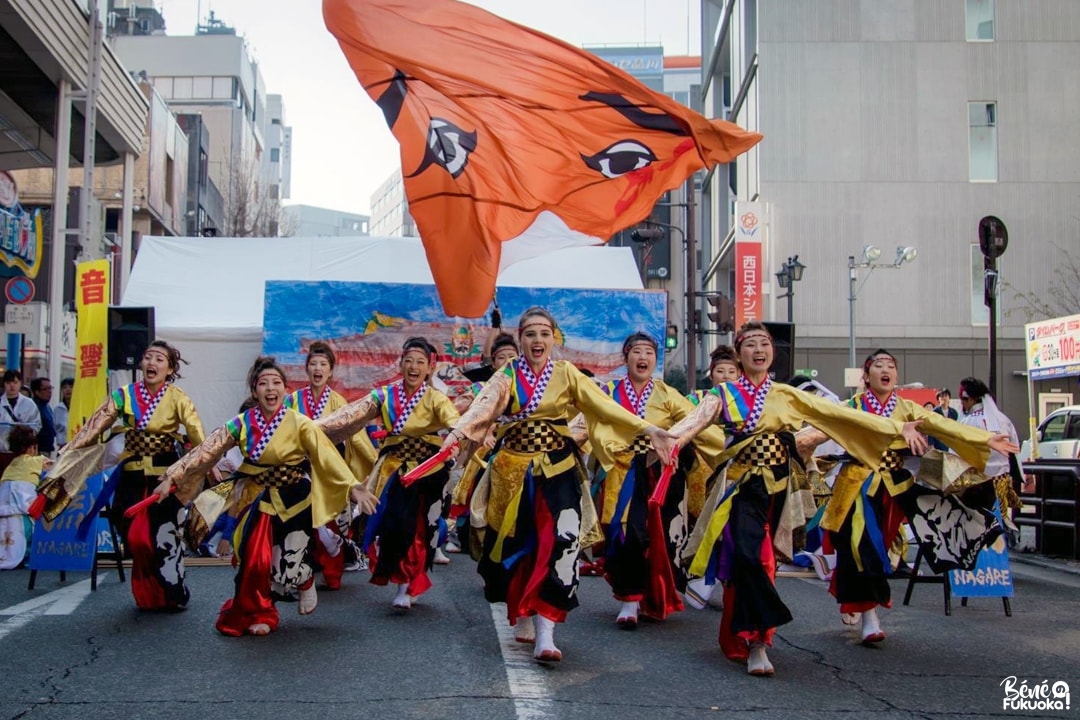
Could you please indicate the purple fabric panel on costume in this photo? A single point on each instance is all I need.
(727, 543)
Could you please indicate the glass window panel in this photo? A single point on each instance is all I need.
(223, 88)
(182, 88)
(979, 19)
(982, 142)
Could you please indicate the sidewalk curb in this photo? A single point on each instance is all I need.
(1045, 563)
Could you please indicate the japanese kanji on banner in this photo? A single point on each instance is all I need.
(92, 334)
(749, 236)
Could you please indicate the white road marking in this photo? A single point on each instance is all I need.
(63, 601)
(12, 624)
(527, 686)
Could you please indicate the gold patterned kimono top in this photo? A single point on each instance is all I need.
(411, 424)
(157, 419)
(508, 399)
(784, 409)
(293, 440)
(664, 407)
(970, 444)
(360, 454)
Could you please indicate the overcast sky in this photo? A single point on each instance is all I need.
(342, 149)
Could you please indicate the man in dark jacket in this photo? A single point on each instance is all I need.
(41, 389)
(943, 409)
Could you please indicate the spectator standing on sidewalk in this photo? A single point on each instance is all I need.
(15, 410)
(41, 390)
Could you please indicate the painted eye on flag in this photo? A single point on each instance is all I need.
(447, 146)
(623, 157)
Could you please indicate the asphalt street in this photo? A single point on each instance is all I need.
(69, 653)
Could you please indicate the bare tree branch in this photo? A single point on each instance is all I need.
(249, 209)
(1062, 294)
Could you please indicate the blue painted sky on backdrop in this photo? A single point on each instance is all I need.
(342, 149)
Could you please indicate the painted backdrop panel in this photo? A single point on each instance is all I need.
(367, 323)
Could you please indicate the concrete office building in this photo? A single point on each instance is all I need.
(312, 221)
(899, 124)
(212, 75)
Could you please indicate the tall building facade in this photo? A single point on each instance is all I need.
(390, 210)
(213, 75)
(898, 125)
(662, 262)
(277, 160)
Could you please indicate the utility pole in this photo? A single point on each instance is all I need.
(691, 288)
(93, 81)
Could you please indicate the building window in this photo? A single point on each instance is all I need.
(275, 155)
(982, 142)
(274, 192)
(979, 17)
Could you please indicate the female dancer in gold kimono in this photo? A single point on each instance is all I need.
(723, 367)
(152, 412)
(645, 543)
(529, 501)
(318, 400)
(737, 544)
(863, 515)
(295, 480)
(408, 522)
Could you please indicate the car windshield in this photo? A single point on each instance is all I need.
(1054, 427)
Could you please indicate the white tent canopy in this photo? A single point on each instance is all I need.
(207, 293)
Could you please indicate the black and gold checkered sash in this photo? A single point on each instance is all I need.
(640, 446)
(536, 436)
(412, 450)
(140, 443)
(277, 476)
(765, 450)
(891, 461)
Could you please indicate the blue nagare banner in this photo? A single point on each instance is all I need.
(991, 577)
(54, 545)
(367, 323)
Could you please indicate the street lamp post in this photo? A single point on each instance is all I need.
(790, 273)
(870, 254)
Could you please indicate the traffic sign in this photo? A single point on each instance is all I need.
(19, 290)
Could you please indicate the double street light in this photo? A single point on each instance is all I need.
(868, 259)
(790, 273)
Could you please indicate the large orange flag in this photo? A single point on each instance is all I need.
(514, 143)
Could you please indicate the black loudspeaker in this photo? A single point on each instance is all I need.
(131, 330)
(783, 366)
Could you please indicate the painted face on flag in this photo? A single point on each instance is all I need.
(514, 143)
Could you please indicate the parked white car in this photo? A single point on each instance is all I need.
(1058, 436)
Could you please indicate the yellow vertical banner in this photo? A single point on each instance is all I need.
(91, 342)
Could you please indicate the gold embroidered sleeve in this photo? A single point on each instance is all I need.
(710, 441)
(968, 442)
(698, 420)
(102, 419)
(331, 478)
(446, 413)
(190, 418)
(188, 472)
(485, 409)
(599, 408)
(345, 422)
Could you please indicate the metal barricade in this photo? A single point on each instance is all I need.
(1051, 498)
